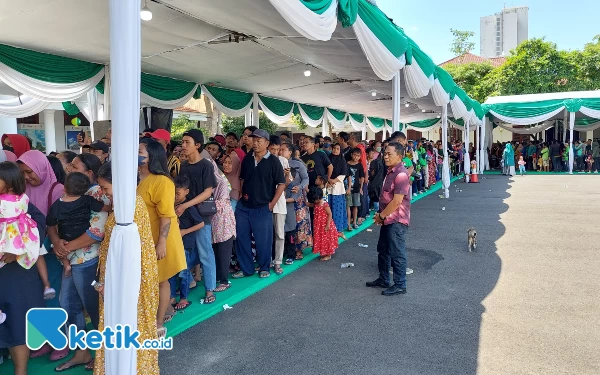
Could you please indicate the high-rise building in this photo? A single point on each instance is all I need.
(503, 31)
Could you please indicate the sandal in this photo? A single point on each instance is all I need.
(278, 270)
(57, 355)
(68, 366)
(238, 275)
(289, 261)
(210, 299)
(264, 274)
(161, 332)
(325, 258)
(222, 287)
(89, 366)
(182, 306)
(49, 293)
(169, 317)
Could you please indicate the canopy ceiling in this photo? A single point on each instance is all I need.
(189, 40)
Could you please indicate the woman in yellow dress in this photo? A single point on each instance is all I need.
(147, 304)
(158, 192)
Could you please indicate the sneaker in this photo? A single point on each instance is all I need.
(409, 271)
(289, 261)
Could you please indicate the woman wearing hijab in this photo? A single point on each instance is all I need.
(337, 192)
(7, 156)
(17, 143)
(509, 160)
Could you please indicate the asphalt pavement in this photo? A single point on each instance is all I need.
(525, 302)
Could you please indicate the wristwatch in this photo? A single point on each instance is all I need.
(381, 217)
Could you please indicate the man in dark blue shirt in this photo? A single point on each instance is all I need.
(262, 183)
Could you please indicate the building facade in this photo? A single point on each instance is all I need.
(504, 31)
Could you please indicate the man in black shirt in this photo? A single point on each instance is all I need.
(262, 184)
(201, 175)
(343, 139)
(246, 139)
(317, 163)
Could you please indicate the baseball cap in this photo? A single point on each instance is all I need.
(219, 139)
(99, 145)
(195, 134)
(260, 133)
(232, 134)
(160, 134)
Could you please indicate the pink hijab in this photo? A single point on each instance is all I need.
(7, 156)
(38, 195)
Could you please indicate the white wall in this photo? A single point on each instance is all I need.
(501, 135)
(509, 32)
(8, 125)
(487, 36)
(59, 122)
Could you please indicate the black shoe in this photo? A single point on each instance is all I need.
(376, 284)
(393, 290)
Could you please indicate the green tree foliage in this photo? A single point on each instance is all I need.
(182, 124)
(299, 121)
(462, 42)
(589, 64)
(237, 124)
(469, 77)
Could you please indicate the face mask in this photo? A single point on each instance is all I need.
(8, 148)
(141, 160)
(378, 149)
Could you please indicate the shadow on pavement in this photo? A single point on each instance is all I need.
(323, 320)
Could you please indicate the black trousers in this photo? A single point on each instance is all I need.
(223, 259)
(289, 250)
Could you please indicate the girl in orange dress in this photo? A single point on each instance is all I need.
(325, 234)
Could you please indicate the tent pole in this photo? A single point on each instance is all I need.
(123, 266)
(565, 122)
(50, 130)
(248, 118)
(255, 115)
(445, 166)
(396, 101)
(324, 129)
(571, 153)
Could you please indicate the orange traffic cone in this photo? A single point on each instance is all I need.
(474, 178)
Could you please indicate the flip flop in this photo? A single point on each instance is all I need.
(184, 307)
(161, 332)
(223, 287)
(46, 349)
(89, 366)
(49, 294)
(57, 355)
(69, 367)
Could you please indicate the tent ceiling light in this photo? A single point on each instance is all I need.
(374, 93)
(307, 72)
(407, 104)
(423, 111)
(146, 13)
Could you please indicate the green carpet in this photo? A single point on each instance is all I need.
(197, 312)
(543, 173)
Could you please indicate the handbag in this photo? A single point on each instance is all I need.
(208, 207)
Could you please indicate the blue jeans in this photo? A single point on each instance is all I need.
(77, 294)
(185, 276)
(257, 222)
(207, 256)
(391, 249)
(521, 169)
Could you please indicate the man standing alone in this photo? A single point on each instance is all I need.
(394, 218)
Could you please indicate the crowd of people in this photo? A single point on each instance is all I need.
(552, 156)
(231, 207)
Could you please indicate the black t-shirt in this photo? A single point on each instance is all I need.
(72, 218)
(188, 219)
(201, 176)
(316, 165)
(260, 180)
(355, 173)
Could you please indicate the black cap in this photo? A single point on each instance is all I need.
(196, 135)
(99, 145)
(232, 134)
(260, 133)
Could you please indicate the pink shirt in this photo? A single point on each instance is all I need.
(521, 162)
(397, 181)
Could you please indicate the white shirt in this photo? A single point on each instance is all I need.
(280, 206)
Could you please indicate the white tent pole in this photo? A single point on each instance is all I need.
(483, 148)
(571, 153)
(364, 133)
(383, 130)
(324, 130)
(396, 101)
(445, 166)
(565, 122)
(107, 89)
(477, 145)
(466, 157)
(255, 115)
(248, 118)
(49, 130)
(123, 267)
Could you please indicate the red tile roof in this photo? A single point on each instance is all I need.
(468, 58)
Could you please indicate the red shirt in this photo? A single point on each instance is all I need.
(397, 181)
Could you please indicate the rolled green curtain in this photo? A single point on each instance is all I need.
(277, 106)
(377, 121)
(230, 98)
(424, 123)
(392, 37)
(357, 117)
(339, 115)
(164, 88)
(71, 108)
(47, 67)
(526, 110)
(457, 121)
(313, 112)
(591, 103)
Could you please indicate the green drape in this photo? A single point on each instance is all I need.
(424, 123)
(317, 6)
(70, 108)
(100, 86)
(46, 67)
(392, 37)
(277, 106)
(591, 103)
(414, 52)
(313, 112)
(377, 121)
(347, 12)
(525, 110)
(230, 98)
(339, 115)
(357, 117)
(166, 89)
(445, 80)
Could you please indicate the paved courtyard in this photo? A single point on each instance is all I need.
(525, 302)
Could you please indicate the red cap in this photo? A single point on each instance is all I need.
(220, 140)
(161, 134)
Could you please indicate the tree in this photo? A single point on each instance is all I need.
(469, 77)
(237, 124)
(462, 42)
(182, 124)
(299, 121)
(588, 62)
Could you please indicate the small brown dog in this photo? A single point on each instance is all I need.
(472, 239)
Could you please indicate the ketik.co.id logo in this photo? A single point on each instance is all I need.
(45, 326)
